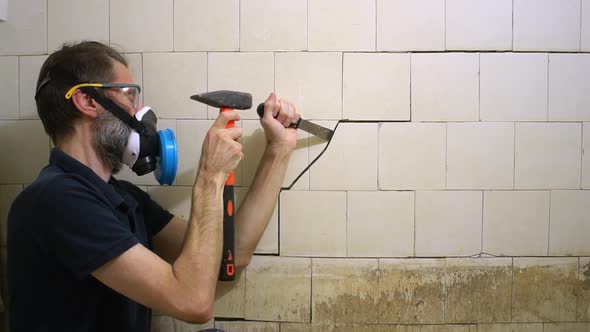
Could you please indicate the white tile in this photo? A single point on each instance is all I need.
(341, 25)
(25, 30)
(569, 77)
(412, 156)
(69, 21)
(380, 224)
(26, 160)
(29, 68)
(516, 223)
(269, 242)
(585, 42)
(190, 135)
(9, 87)
(142, 25)
(478, 25)
(271, 25)
(245, 72)
(169, 79)
(254, 144)
(513, 87)
(202, 25)
(8, 194)
(548, 155)
(313, 223)
(176, 199)
(350, 162)
(480, 155)
(546, 25)
(586, 156)
(417, 25)
(445, 87)
(313, 81)
(569, 223)
(376, 86)
(448, 223)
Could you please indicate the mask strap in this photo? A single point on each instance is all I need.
(116, 110)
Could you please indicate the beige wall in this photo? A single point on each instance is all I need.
(397, 224)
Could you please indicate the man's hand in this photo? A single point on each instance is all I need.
(222, 148)
(279, 114)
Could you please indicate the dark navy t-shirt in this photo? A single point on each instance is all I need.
(61, 228)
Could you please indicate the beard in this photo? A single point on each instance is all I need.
(110, 139)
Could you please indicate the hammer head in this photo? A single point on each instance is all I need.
(225, 99)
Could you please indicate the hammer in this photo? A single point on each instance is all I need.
(227, 101)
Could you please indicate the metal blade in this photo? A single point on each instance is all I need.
(314, 129)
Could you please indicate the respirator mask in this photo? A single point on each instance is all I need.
(148, 149)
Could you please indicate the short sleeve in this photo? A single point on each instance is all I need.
(79, 226)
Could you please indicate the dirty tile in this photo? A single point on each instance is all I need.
(548, 155)
(9, 85)
(546, 25)
(25, 32)
(150, 30)
(335, 25)
(583, 292)
(568, 75)
(376, 86)
(277, 31)
(313, 223)
(237, 326)
(312, 81)
(278, 289)
(569, 223)
(391, 230)
(478, 25)
(175, 199)
(26, 160)
(429, 328)
(343, 328)
(198, 25)
(513, 87)
(8, 194)
(249, 72)
(68, 21)
(516, 223)
(190, 135)
(254, 144)
(412, 156)
(411, 291)
(585, 43)
(448, 223)
(566, 327)
(417, 25)
(350, 163)
(445, 87)
(480, 155)
(478, 290)
(344, 290)
(544, 289)
(296, 327)
(514, 327)
(180, 326)
(230, 297)
(169, 79)
(269, 243)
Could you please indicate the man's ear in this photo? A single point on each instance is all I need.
(85, 104)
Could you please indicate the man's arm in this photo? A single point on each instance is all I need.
(185, 289)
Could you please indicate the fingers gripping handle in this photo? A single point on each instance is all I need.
(260, 111)
(227, 269)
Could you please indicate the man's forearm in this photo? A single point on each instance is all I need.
(258, 205)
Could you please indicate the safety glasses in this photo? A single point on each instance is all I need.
(129, 91)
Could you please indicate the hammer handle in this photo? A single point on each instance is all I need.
(227, 269)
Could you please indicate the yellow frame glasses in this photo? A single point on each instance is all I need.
(123, 87)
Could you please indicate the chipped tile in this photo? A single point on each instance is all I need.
(411, 291)
(478, 290)
(544, 289)
(230, 297)
(278, 289)
(344, 290)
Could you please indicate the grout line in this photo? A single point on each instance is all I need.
(580, 40)
(311, 291)
(445, 32)
(581, 154)
(415, 194)
(514, 158)
(410, 77)
(482, 216)
(346, 221)
(479, 85)
(547, 90)
(18, 88)
(512, 29)
(375, 2)
(239, 26)
(446, 155)
(307, 26)
(109, 9)
(173, 32)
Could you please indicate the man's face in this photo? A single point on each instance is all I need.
(110, 133)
